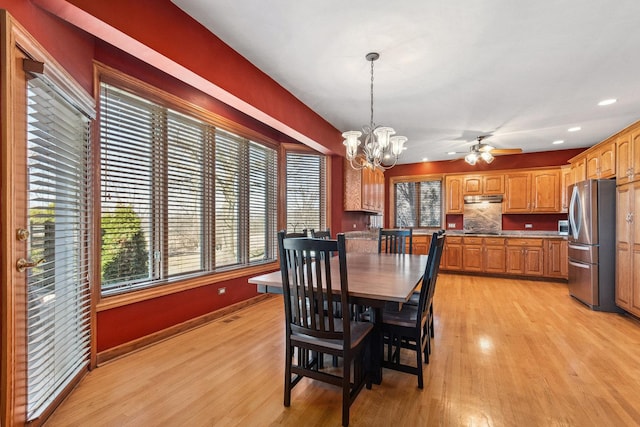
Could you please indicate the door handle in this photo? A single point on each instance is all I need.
(22, 264)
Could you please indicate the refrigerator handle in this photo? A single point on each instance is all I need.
(575, 264)
(575, 210)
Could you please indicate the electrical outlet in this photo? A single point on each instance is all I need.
(222, 291)
(451, 225)
(354, 226)
(528, 226)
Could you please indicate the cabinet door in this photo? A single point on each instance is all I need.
(518, 188)
(556, 261)
(453, 189)
(493, 184)
(533, 262)
(607, 160)
(579, 167)
(623, 158)
(593, 165)
(378, 205)
(635, 248)
(515, 259)
(495, 259)
(472, 185)
(453, 256)
(565, 182)
(545, 191)
(624, 242)
(635, 155)
(472, 257)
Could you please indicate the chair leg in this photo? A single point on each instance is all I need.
(287, 375)
(346, 391)
(419, 360)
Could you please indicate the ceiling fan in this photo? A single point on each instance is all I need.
(486, 152)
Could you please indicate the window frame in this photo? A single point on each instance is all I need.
(109, 75)
(416, 178)
(286, 148)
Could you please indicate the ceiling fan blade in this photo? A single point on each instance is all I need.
(505, 151)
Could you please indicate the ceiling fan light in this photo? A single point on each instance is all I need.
(471, 158)
(487, 157)
(485, 148)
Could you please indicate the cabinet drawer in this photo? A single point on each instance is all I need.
(525, 242)
(494, 241)
(472, 240)
(454, 239)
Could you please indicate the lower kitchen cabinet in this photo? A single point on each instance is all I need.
(628, 247)
(556, 258)
(472, 254)
(525, 257)
(452, 253)
(494, 255)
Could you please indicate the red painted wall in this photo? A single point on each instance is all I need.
(198, 49)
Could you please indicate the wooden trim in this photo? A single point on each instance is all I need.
(180, 328)
(109, 302)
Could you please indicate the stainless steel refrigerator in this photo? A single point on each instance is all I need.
(592, 229)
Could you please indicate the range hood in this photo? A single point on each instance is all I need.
(493, 198)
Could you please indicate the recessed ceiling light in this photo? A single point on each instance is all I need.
(451, 153)
(559, 141)
(574, 129)
(607, 102)
(424, 159)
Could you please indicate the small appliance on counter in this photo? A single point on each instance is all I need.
(563, 227)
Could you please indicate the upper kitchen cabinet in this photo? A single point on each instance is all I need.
(579, 168)
(566, 179)
(453, 185)
(536, 191)
(628, 156)
(483, 184)
(601, 160)
(363, 189)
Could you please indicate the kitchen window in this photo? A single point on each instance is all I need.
(180, 196)
(418, 204)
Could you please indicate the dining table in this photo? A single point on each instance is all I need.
(373, 280)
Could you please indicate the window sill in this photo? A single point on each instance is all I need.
(110, 302)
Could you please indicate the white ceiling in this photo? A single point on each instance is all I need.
(448, 71)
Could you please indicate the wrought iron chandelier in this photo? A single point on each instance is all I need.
(380, 149)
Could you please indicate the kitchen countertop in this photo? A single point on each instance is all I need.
(373, 235)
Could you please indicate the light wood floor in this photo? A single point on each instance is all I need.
(506, 353)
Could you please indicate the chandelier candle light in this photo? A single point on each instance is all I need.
(380, 148)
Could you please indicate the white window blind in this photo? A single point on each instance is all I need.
(306, 191)
(58, 298)
(180, 196)
(418, 204)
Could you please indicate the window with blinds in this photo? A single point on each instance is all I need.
(58, 297)
(180, 196)
(418, 204)
(306, 192)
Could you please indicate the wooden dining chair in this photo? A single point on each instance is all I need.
(392, 241)
(408, 327)
(294, 234)
(321, 234)
(312, 327)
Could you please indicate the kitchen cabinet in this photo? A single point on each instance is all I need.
(628, 156)
(601, 160)
(628, 247)
(453, 194)
(579, 168)
(363, 189)
(533, 192)
(452, 253)
(566, 179)
(421, 244)
(517, 193)
(472, 254)
(525, 257)
(545, 190)
(483, 184)
(494, 255)
(556, 256)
